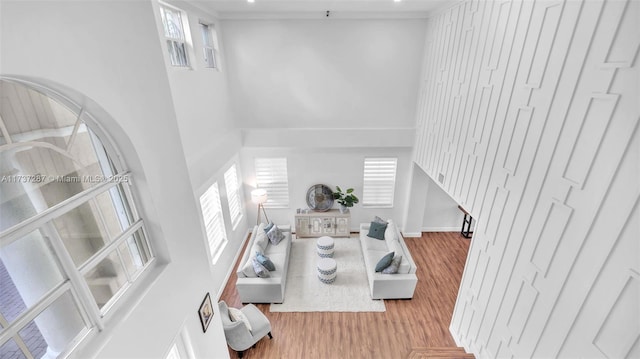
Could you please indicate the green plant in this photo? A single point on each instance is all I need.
(347, 198)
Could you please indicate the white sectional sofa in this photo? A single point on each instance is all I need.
(264, 290)
(400, 285)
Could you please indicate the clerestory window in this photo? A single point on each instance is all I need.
(209, 45)
(174, 22)
(71, 239)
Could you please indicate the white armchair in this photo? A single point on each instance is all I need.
(239, 337)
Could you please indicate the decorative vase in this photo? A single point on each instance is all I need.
(343, 209)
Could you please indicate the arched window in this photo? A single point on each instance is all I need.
(71, 240)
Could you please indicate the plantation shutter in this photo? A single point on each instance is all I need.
(271, 175)
(232, 183)
(213, 221)
(379, 182)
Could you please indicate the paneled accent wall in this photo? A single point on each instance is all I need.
(528, 117)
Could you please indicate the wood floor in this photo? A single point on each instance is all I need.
(405, 329)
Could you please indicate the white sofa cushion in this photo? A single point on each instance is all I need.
(375, 244)
(390, 233)
(275, 249)
(247, 268)
(261, 239)
(278, 259)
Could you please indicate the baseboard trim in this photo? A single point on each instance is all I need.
(441, 229)
(412, 234)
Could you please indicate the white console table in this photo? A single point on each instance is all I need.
(329, 223)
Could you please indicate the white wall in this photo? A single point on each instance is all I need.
(210, 138)
(441, 211)
(324, 73)
(202, 102)
(529, 111)
(330, 166)
(325, 94)
(121, 68)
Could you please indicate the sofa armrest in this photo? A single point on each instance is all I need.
(393, 286)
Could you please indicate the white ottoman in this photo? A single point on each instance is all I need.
(327, 270)
(325, 247)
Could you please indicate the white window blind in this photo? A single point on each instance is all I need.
(213, 221)
(172, 23)
(379, 182)
(271, 175)
(232, 183)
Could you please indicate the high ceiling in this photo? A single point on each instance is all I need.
(318, 8)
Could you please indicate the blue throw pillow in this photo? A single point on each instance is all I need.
(275, 235)
(376, 230)
(265, 261)
(384, 262)
(393, 267)
(268, 227)
(260, 270)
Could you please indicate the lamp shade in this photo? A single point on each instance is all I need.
(259, 196)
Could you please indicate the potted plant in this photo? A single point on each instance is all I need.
(345, 199)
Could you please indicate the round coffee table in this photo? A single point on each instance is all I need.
(327, 270)
(325, 246)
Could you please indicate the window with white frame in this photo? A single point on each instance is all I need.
(181, 347)
(209, 45)
(174, 22)
(379, 182)
(271, 175)
(213, 221)
(174, 353)
(232, 184)
(71, 239)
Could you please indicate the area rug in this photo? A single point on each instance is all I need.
(306, 293)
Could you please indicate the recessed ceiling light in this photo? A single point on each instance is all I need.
(251, 1)
(397, 0)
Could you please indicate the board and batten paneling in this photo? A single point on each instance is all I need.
(528, 116)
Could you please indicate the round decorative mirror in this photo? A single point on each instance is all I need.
(320, 198)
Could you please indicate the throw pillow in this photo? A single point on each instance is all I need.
(376, 230)
(268, 226)
(260, 270)
(261, 241)
(379, 220)
(384, 262)
(275, 235)
(393, 267)
(247, 268)
(265, 261)
(236, 315)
